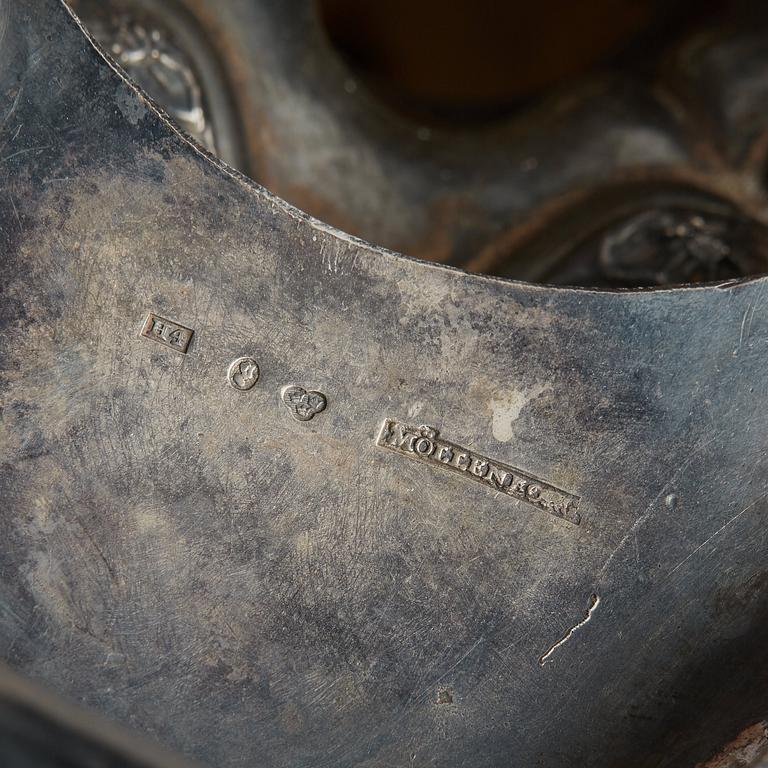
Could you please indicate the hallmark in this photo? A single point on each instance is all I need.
(302, 404)
(423, 443)
(167, 332)
(243, 373)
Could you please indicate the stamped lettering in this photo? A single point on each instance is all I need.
(423, 443)
(167, 332)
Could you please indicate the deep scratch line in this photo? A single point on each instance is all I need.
(567, 636)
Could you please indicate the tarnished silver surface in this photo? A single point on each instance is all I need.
(256, 590)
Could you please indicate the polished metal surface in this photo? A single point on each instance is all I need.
(253, 588)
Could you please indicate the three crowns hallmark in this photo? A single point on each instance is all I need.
(423, 443)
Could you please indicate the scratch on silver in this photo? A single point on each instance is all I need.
(423, 443)
(595, 601)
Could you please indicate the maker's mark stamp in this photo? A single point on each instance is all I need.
(167, 332)
(423, 443)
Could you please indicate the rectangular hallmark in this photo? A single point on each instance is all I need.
(424, 444)
(167, 332)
